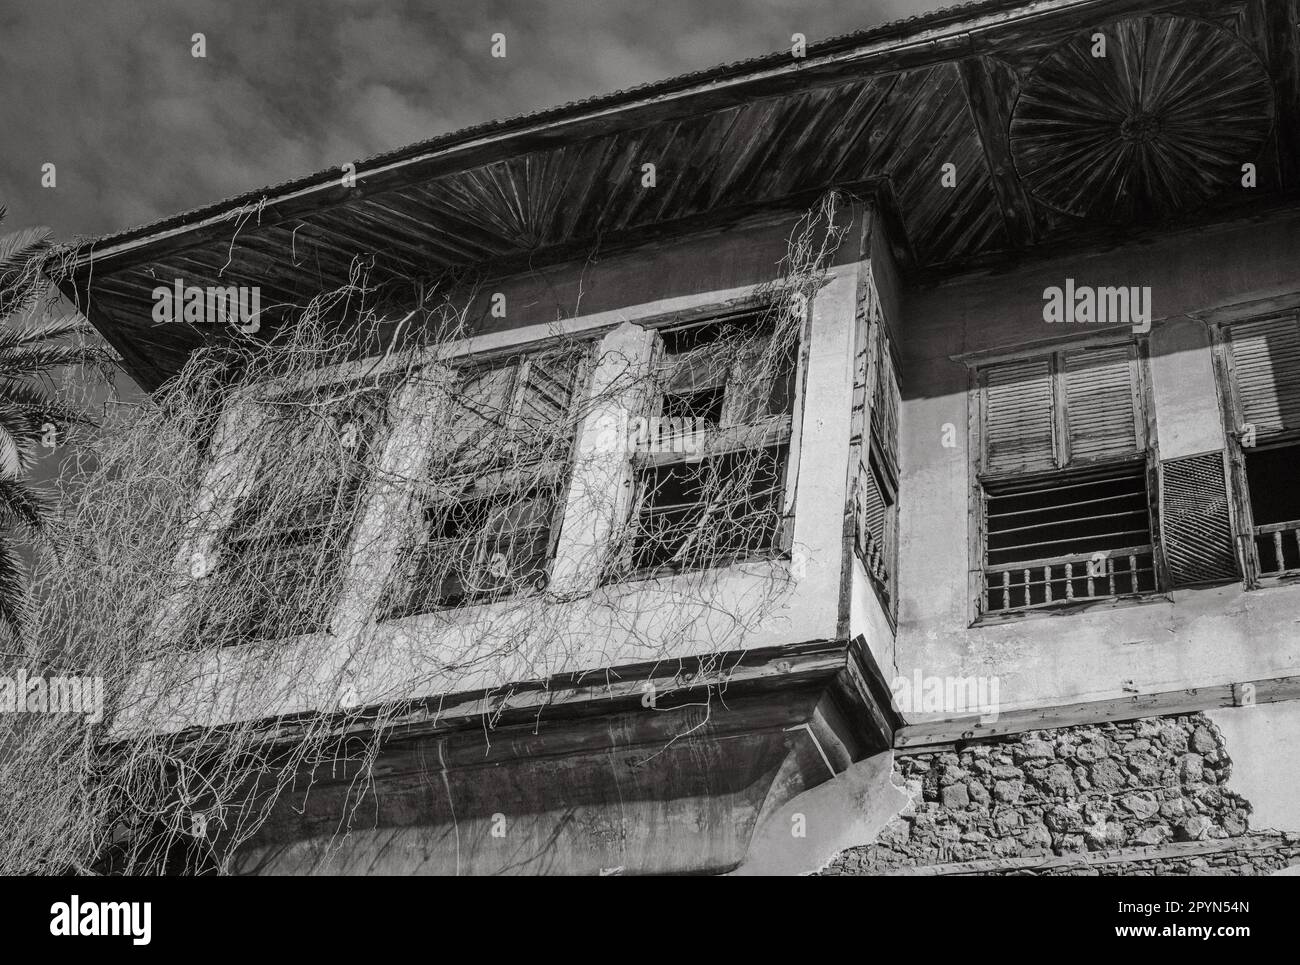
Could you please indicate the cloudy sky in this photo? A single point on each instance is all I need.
(138, 128)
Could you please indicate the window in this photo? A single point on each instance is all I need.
(877, 525)
(876, 539)
(1062, 480)
(280, 563)
(494, 487)
(1264, 406)
(710, 471)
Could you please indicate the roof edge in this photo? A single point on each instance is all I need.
(938, 36)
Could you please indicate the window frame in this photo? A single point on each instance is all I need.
(1146, 455)
(243, 406)
(284, 542)
(1242, 513)
(874, 462)
(767, 432)
(554, 474)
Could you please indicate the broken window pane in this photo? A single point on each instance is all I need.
(707, 513)
(729, 386)
(494, 486)
(481, 549)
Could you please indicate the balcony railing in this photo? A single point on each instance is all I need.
(1034, 584)
(1277, 547)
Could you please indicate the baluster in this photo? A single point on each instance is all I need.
(1047, 583)
(1006, 589)
(1069, 581)
(1277, 548)
(1026, 588)
(1110, 575)
(1133, 574)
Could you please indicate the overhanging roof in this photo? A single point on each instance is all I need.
(1001, 90)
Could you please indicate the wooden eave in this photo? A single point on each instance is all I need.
(883, 108)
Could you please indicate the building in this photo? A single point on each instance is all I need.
(1010, 368)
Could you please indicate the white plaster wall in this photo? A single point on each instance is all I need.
(1262, 741)
(1182, 380)
(1197, 637)
(867, 618)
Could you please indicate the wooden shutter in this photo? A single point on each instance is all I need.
(1194, 521)
(1100, 416)
(874, 522)
(886, 402)
(1019, 427)
(1266, 360)
(546, 390)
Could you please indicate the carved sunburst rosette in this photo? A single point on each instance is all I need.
(1161, 123)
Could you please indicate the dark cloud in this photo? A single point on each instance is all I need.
(139, 129)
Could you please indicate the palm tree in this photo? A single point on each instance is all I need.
(30, 352)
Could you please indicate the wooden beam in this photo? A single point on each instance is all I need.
(990, 92)
(1160, 852)
(935, 735)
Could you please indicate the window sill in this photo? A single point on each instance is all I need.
(653, 574)
(465, 604)
(1274, 580)
(1068, 609)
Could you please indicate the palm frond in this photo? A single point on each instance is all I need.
(14, 606)
(21, 278)
(35, 401)
(26, 405)
(51, 330)
(37, 359)
(18, 247)
(21, 294)
(12, 463)
(24, 507)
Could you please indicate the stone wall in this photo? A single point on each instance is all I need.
(1145, 796)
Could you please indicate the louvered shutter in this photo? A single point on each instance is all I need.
(1194, 521)
(1266, 359)
(886, 403)
(873, 519)
(547, 390)
(1099, 412)
(1019, 430)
